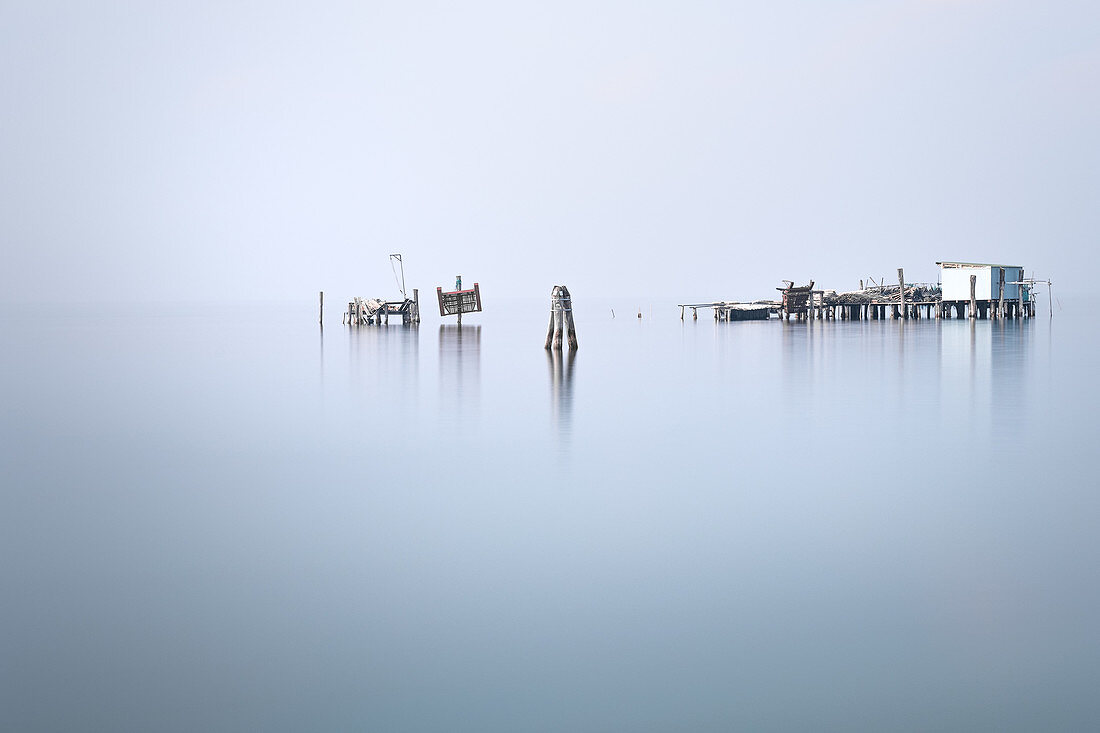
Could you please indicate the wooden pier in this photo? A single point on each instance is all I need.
(1009, 297)
(760, 310)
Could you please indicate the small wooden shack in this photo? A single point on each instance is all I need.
(998, 290)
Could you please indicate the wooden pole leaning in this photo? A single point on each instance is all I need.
(570, 326)
(901, 291)
(1020, 295)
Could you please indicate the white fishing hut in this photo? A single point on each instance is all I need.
(998, 289)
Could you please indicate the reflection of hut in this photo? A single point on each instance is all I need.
(796, 300)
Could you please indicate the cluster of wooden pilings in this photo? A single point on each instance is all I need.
(987, 309)
(561, 320)
(870, 311)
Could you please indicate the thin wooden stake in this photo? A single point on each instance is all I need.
(1020, 295)
(901, 291)
(1001, 294)
(973, 297)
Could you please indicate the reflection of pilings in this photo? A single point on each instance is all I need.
(561, 387)
(385, 350)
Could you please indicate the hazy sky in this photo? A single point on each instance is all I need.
(224, 150)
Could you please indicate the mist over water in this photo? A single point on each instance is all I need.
(226, 519)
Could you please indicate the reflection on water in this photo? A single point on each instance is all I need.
(986, 370)
(460, 368)
(752, 525)
(561, 388)
(384, 357)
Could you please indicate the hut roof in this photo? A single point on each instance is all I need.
(973, 264)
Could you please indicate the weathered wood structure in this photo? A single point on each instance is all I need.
(797, 301)
(459, 301)
(561, 325)
(374, 311)
(377, 311)
(966, 289)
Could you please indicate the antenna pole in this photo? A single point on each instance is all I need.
(402, 263)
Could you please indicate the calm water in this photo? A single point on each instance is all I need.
(217, 519)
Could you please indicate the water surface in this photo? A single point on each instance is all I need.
(221, 518)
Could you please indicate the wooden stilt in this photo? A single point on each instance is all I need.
(553, 310)
(559, 326)
(1020, 296)
(901, 290)
(570, 327)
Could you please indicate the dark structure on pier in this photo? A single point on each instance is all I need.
(797, 301)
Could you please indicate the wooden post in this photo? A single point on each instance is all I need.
(559, 322)
(458, 286)
(570, 327)
(901, 291)
(973, 297)
(1001, 294)
(553, 310)
(1020, 295)
(321, 317)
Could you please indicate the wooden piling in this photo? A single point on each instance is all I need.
(321, 315)
(1020, 295)
(559, 327)
(973, 296)
(570, 327)
(561, 324)
(550, 328)
(1001, 294)
(901, 290)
